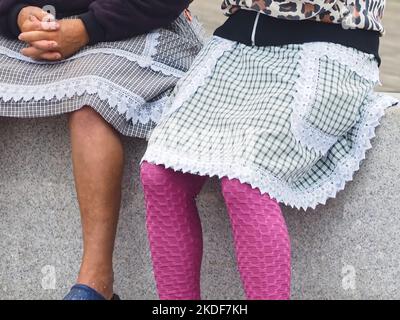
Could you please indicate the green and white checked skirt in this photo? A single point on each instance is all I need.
(293, 121)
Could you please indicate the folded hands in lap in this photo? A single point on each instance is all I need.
(48, 39)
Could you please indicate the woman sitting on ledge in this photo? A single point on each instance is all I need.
(111, 65)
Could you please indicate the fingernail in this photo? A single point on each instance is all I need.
(31, 18)
(54, 44)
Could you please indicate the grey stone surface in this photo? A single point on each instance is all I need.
(347, 249)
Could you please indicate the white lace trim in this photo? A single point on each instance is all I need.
(215, 165)
(152, 42)
(198, 76)
(306, 88)
(146, 60)
(134, 107)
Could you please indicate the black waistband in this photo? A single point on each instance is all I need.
(275, 32)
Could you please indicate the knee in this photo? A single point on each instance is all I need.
(156, 178)
(251, 199)
(153, 175)
(235, 188)
(85, 119)
(228, 185)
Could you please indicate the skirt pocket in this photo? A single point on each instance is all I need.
(330, 94)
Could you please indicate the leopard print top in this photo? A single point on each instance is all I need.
(351, 14)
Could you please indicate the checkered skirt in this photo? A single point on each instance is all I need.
(127, 82)
(293, 121)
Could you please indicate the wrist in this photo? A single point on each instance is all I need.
(83, 36)
(94, 29)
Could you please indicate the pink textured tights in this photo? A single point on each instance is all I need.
(261, 238)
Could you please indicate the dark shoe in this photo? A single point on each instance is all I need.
(83, 292)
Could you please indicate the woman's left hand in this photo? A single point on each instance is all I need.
(67, 40)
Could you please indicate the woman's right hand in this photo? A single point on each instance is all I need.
(35, 19)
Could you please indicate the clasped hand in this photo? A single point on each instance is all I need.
(49, 39)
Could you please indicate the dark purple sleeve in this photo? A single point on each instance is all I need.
(9, 10)
(112, 20)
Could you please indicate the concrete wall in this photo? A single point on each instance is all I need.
(347, 249)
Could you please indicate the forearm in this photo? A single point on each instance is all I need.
(120, 19)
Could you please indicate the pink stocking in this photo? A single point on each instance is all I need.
(261, 240)
(174, 230)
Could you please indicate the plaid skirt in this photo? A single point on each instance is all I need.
(294, 121)
(127, 82)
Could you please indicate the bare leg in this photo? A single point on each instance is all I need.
(98, 158)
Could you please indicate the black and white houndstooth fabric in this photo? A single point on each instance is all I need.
(127, 82)
(293, 121)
